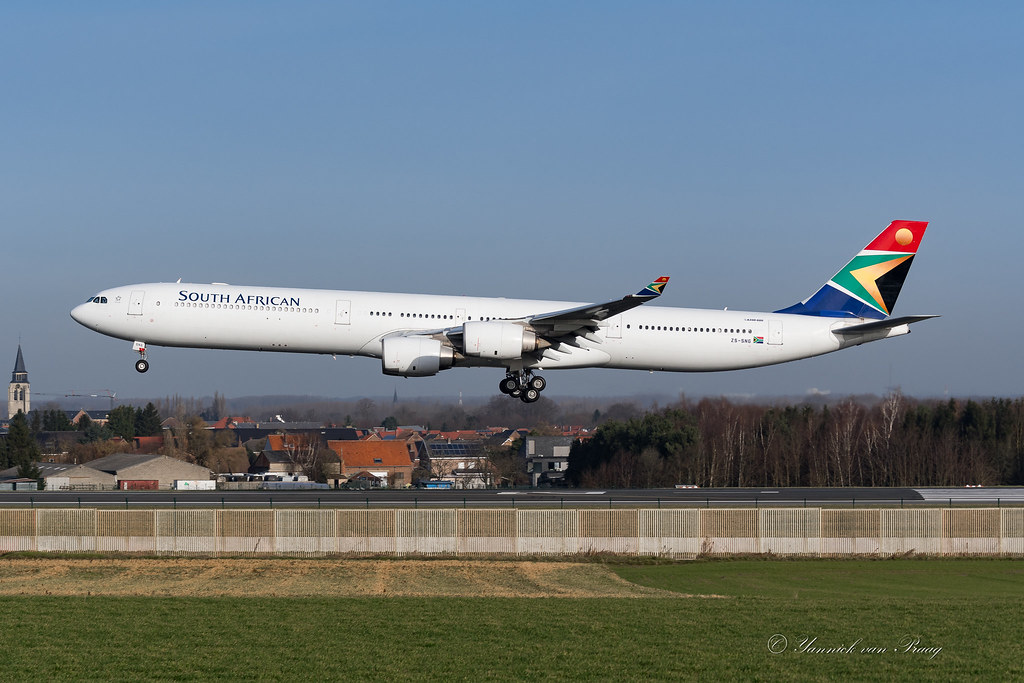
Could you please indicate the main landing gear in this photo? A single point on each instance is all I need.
(523, 385)
(141, 365)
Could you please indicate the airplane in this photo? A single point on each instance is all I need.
(419, 335)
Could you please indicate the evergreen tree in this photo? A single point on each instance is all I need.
(29, 470)
(148, 422)
(122, 422)
(56, 420)
(94, 431)
(22, 449)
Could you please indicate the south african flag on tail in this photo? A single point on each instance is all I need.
(867, 287)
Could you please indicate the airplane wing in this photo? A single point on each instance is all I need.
(885, 324)
(564, 327)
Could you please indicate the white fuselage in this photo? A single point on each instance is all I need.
(354, 323)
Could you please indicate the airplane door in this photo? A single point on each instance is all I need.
(774, 331)
(460, 315)
(342, 312)
(135, 303)
(614, 329)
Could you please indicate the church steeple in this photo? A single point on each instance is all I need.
(20, 374)
(18, 397)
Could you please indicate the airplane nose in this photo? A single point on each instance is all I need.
(78, 314)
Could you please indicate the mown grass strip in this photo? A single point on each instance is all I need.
(967, 610)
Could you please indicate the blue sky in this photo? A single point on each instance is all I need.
(553, 150)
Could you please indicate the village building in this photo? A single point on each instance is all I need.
(19, 395)
(464, 463)
(65, 477)
(389, 461)
(140, 467)
(547, 459)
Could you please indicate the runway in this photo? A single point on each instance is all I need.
(414, 498)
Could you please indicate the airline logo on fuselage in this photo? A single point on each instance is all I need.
(247, 299)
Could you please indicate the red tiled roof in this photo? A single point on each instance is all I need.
(361, 454)
(232, 422)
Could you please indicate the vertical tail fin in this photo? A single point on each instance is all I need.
(867, 287)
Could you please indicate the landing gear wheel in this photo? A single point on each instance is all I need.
(530, 395)
(142, 365)
(508, 385)
(515, 394)
(537, 382)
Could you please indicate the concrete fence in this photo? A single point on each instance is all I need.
(681, 533)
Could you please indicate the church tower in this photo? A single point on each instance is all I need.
(18, 391)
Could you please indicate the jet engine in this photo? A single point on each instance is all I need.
(497, 340)
(415, 356)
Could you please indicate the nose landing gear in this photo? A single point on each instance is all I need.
(523, 385)
(141, 365)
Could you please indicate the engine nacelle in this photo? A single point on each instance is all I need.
(414, 356)
(497, 340)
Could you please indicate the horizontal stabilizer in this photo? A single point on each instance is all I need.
(886, 324)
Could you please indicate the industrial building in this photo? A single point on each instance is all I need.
(141, 467)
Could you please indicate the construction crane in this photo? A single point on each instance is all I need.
(112, 395)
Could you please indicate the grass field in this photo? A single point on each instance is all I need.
(590, 620)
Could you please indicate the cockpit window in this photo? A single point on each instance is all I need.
(97, 300)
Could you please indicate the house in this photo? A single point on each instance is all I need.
(247, 432)
(280, 463)
(232, 422)
(389, 461)
(367, 480)
(547, 458)
(462, 462)
(506, 437)
(98, 417)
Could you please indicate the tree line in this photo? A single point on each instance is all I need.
(896, 442)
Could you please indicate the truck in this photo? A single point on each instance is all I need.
(195, 485)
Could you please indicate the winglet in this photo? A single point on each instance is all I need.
(655, 288)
